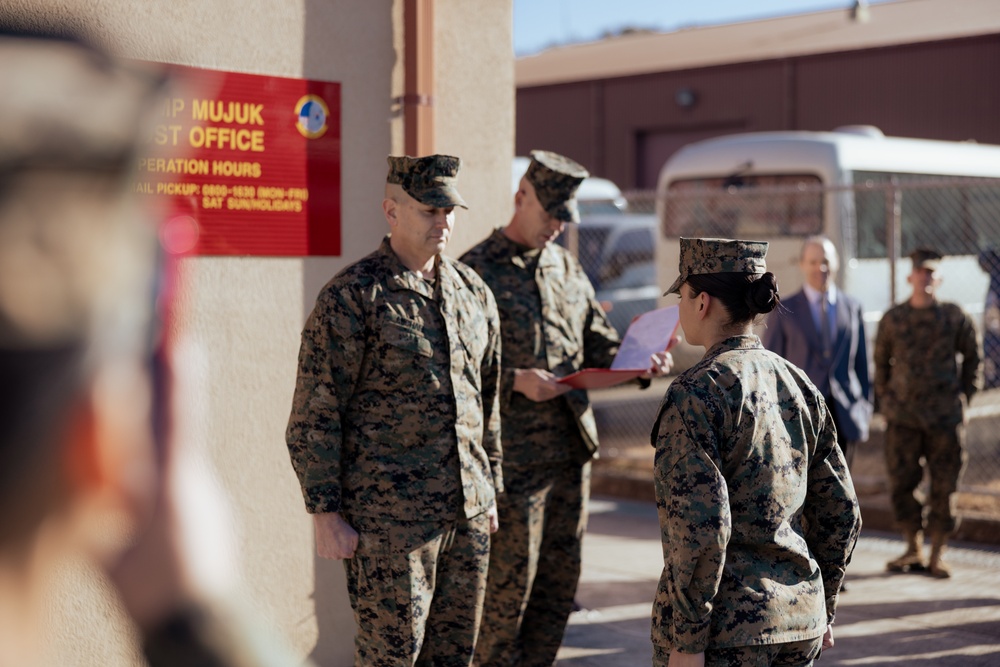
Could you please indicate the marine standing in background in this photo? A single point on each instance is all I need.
(757, 510)
(821, 330)
(395, 428)
(552, 326)
(923, 392)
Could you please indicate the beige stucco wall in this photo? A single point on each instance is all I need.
(242, 316)
(474, 110)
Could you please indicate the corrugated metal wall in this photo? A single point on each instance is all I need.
(625, 128)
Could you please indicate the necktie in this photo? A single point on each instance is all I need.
(824, 325)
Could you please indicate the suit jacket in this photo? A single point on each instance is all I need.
(843, 378)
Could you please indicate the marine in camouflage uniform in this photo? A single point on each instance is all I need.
(922, 391)
(551, 322)
(395, 425)
(757, 510)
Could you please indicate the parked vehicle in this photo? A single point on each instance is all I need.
(618, 253)
(876, 197)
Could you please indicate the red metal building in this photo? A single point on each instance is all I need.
(622, 106)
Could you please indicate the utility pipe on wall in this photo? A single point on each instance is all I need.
(418, 94)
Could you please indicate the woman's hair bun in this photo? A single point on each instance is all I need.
(762, 294)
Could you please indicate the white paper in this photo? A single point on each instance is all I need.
(648, 334)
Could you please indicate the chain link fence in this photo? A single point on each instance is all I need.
(631, 255)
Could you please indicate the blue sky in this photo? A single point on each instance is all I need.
(542, 23)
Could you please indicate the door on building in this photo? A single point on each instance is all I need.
(654, 147)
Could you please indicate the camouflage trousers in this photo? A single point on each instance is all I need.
(790, 654)
(534, 564)
(943, 454)
(417, 590)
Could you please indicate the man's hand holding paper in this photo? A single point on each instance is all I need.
(643, 352)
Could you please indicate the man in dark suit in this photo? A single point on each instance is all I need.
(821, 330)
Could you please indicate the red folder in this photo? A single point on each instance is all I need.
(648, 334)
(599, 378)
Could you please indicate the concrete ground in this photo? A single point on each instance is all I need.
(883, 619)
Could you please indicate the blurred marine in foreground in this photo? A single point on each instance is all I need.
(84, 391)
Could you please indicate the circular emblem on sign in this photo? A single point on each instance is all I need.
(311, 112)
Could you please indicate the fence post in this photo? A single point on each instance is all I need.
(572, 235)
(894, 233)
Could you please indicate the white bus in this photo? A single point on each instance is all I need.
(876, 197)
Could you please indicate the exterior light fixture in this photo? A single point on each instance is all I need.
(685, 98)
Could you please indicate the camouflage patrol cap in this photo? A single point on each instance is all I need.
(76, 255)
(925, 258)
(703, 256)
(430, 179)
(556, 179)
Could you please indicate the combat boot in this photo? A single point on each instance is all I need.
(937, 567)
(913, 559)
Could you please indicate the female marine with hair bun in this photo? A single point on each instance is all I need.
(758, 515)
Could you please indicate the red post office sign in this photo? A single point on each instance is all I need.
(254, 160)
